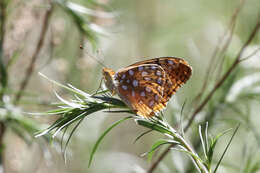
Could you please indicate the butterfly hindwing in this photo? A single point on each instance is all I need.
(142, 88)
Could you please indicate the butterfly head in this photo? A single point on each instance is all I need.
(108, 75)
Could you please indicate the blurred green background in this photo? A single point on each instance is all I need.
(119, 33)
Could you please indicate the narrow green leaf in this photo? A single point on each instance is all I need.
(213, 145)
(202, 142)
(100, 92)
(222, 156)
(189, 153)
(157, 145)
(70, 117)
(102, 136)
(121, 111)
(61, 85)
(153, 126)
(142, 134)
(206, 137)
(111, 100)
(71, 133)
(57, 111)
(181, 116)
(62, 138)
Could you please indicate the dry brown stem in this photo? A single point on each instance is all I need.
(35, 55)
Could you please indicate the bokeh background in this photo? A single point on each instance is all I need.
(118, 33)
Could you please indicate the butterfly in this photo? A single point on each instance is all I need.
(147, 86)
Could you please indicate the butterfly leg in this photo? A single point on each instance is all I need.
(99, 87)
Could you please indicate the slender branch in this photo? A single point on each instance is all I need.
(225, 76)
(35, 55)
(3, 74)
(211, 93)
(220, 49)
(2, 27)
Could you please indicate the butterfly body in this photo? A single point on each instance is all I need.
(147, 86)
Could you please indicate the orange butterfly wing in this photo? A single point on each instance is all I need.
(177, 72)
(142, 88)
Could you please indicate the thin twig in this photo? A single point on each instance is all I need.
(35, 55)
(224, 77)
(211, 93)
(2, 27)
(233, 24)
(220, 49)
(3, 74)
(251, 54)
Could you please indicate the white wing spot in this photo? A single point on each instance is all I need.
(153, 67)
(159, 89)
(147, 78)
(140, 68)
(128, 81)
(159, 81)
(148, 89)
(123, 76)
(135, 83)
(156, 97)
(158, 73)
(131, 72)
(144, 73)
(151, 103)
(124, 87)
(142, 94)
(170, 62)
(133, 93)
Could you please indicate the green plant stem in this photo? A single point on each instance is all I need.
(193, 155)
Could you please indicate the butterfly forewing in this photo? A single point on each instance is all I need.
(177, 72)
(142, 88)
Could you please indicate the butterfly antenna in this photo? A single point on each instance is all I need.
(93, 57)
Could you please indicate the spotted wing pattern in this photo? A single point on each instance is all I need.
(142, 88)
(177, 72)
